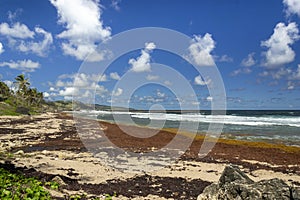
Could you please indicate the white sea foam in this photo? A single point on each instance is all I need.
(293, 121)
(226, 119)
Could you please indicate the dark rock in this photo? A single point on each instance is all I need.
(235, 184)
(23, 110)
(233, 174)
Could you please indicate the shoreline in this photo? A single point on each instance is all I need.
(50, 145)
(260, 135)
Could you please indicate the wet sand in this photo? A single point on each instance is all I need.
(48, 146)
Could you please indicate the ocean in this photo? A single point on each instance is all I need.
(272, 126)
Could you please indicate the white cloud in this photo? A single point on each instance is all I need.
(52, 89)
(150, 46)
(290, 85)
(200, 50)
(83, 31)
(79, 84)
(23, 65)
(243, 70)
(292, 7)
(224, 58)
(38, 48)
(150, 77)
(1, 48)
(84, 77)
(17, 30)
(168, 83)
(115, 4)
(46, 94)
(19, 33)
(142, 63)
(115, 76)
(13, 15)
(209, 98)
(264, 74)
(117, 92)
(279, 51)
(282, 72)
(69, 91)
(160, 94)
(249, 61)
(295, 75)
(61, 83)
(199, 81)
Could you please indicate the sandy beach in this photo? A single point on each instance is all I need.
(48, 147)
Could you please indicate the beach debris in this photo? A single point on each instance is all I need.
(235, 184)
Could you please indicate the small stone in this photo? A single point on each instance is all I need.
(58, 180)
(20, 152)
(44, 152)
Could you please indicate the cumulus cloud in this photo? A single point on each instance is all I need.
(224, 58)
(78, 84)
(246, 63)
(160, 94)
(209, 98)
(296, 75)
(1, 48)
(243, 70)
(13, 15)
(23, 65)
(279, 74)
(289, 75)
(79, 77)
(46, 94)
(115, 76)
(249, 60)
(292, 7)
(142, 63)
(279, 51)
(200, 50)
(116, 4)
(150, 77)
(17, 30)
(117, 92)
(18, 35)
(168, 83)
(200, 81)
(69, 91)
(83, 31)
(38, 48)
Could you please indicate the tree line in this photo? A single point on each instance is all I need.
(20, 94)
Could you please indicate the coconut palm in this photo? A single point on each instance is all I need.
(23, 86)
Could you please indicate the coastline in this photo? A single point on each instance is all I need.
(50, 145)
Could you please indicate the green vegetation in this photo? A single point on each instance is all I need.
(21, 98)
(16, 186)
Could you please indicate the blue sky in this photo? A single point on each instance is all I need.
(254, 44)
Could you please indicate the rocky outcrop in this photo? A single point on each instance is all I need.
(235, 184)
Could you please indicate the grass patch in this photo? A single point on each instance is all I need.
(7, 109)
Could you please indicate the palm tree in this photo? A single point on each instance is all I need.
(33, 97)
(23, 85)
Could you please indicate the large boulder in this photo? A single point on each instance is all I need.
(235, 184)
